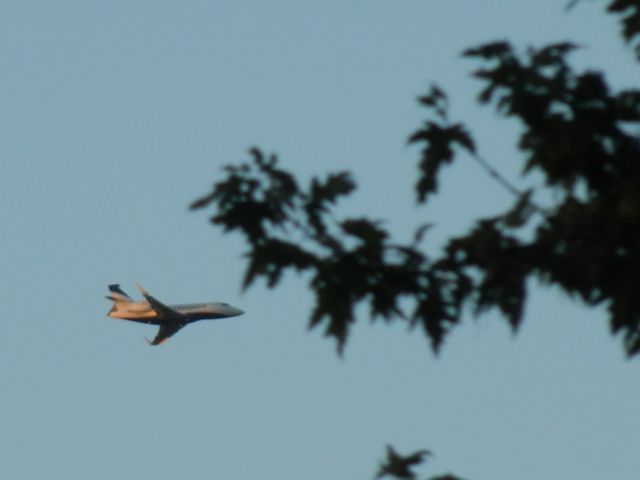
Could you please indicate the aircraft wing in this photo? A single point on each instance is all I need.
(165, 332)
(160, 308)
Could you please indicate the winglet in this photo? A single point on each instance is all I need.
(154, 342)
(145, 294)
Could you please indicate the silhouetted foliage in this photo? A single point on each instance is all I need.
(579, 231)
(629, 11)
(401, 467)
(576, 132)
(398, 466)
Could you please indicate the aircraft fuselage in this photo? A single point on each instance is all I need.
(143, 312)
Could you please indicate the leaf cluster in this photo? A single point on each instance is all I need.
(629, 12)
(401, 467)
(350, 261)
(440, 139)
(576, 132)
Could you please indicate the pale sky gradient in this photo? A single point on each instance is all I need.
(116, 115)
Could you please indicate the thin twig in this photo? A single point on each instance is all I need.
(498, 177)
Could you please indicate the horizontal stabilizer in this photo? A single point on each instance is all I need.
(117, 295)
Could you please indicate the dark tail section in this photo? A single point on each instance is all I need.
(117, 292)
(118, 297)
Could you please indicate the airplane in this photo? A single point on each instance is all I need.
(170, 318)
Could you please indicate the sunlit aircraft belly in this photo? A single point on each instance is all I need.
(146, 314)
(136, 313)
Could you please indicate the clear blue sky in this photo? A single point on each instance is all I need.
(116, 115)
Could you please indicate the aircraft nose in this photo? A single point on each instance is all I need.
(236, 311)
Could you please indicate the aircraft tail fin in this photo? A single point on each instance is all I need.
(117, 295)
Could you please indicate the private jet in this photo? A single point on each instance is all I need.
(171, 318)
